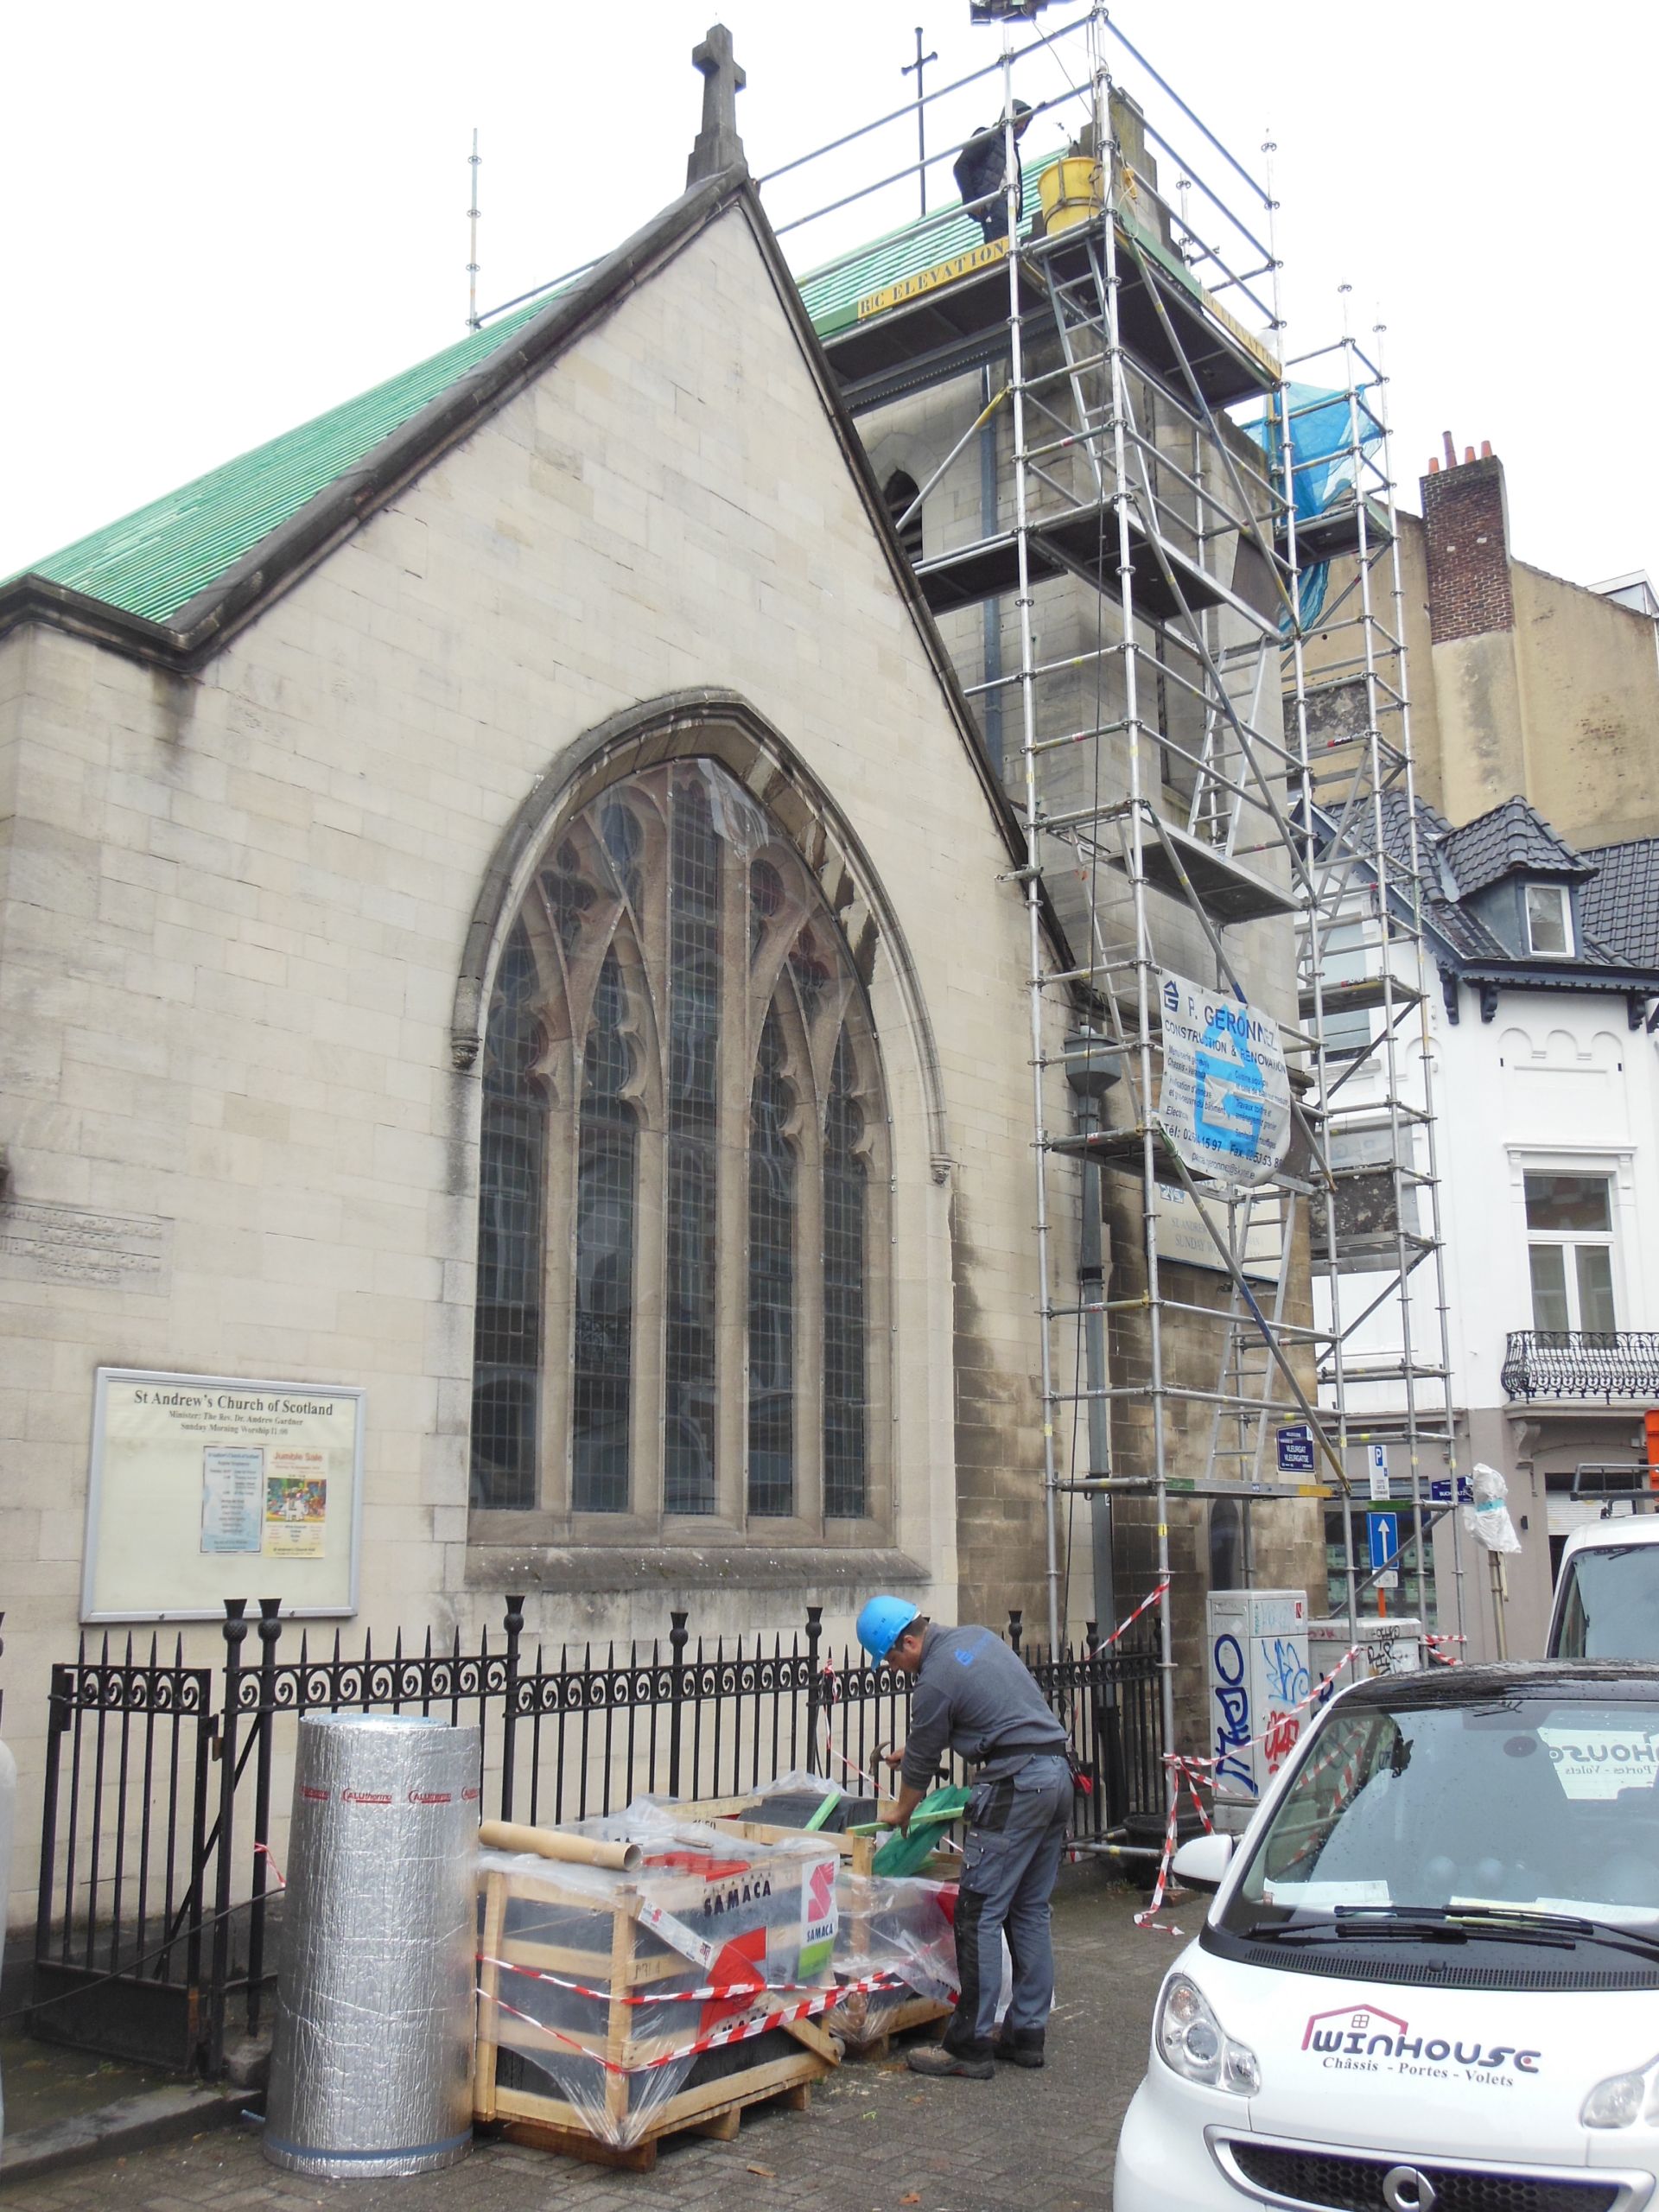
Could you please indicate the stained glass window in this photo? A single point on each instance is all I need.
(690, 1474)
(772, 1281)
(603, 1366)
(846, 1487)
(679, 1203)
(507, 1321)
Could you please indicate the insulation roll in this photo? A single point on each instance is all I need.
(371, 2067)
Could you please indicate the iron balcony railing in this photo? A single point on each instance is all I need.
(1582, 1364)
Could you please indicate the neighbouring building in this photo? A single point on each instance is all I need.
(1522, 682)
(1540, 983)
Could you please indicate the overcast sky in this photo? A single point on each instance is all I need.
(223, 220)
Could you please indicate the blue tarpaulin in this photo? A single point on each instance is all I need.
(1323, 463)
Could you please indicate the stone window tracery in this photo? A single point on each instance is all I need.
(683, 1309)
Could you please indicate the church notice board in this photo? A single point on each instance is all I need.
(205, 1487)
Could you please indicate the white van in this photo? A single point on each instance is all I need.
(1607, 1593)
(1429, 1981)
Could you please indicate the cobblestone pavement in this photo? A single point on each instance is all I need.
(876, 2138)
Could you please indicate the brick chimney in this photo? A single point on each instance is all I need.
(1466, 531)
(1477, 673)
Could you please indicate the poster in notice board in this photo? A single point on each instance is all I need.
(205, 1487)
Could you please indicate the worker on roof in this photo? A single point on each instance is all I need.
(981, 171)
(974, 1696)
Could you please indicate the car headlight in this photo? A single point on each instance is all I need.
(1622, 2099)
(1193, 2043)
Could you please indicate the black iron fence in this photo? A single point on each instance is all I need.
(154, 1925)
(1604, 1363)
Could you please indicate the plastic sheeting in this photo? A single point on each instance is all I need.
(730, 1941)
(894, 1930)
(1323, 464)
(901, 1930)
(1488, 1518)
(371, 2067)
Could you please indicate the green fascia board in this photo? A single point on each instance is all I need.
(831, 294)
(154, 561)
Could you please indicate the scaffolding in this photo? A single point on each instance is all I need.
(1363, 974)
(1167, 569)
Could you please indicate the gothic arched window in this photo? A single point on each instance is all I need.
(684, 1185)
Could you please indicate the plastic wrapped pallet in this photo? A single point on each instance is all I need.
(618, 2005)
(371, 2067)
(899, 1933)
(895, 1931)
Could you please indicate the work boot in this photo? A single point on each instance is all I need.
(939, 2058)
(1019, 2046)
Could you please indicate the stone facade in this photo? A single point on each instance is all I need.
(237, 907)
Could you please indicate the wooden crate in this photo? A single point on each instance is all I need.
(605, 1952)
(734, 1815)
(861, 2024)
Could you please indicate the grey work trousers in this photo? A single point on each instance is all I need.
(1016, 1830)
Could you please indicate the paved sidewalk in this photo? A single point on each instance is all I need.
(877, 2137)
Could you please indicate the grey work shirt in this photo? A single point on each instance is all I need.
(973, 1694)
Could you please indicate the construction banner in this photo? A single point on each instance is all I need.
(1224, 1100)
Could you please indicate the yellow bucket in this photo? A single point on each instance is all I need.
(1072, 191)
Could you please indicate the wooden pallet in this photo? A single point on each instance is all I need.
(721, 2120)
(867, 2028)
(605, 1948)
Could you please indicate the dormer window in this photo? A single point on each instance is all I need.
(1549, 921)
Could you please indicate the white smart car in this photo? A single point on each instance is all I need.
(1607, 1592)
(1429, 1981)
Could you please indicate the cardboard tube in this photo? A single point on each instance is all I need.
(559, 1843)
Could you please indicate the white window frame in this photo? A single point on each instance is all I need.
(1616, 1167)
(1564, 905)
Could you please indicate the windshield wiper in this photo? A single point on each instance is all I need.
(1456, 1924)
(1547, 1926)
(1406, 1927)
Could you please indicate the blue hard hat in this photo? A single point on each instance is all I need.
(882, 1622)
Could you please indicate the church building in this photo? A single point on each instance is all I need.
(503, 909)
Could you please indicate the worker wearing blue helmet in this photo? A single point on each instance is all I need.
(975, 1697)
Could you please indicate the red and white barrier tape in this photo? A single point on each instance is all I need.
(1192, 1772)
(710, 1991)
(1196, 1767)
(737, 2032)
(263, 1850)
(1198, 1758)
(1130, 1619)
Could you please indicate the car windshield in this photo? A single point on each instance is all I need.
(1546, 1803)
(1607, 1608)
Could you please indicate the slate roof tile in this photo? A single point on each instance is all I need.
(1513, 834)
(1621, 902)
(1619, 913)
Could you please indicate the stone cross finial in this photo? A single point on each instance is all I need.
(717, 146)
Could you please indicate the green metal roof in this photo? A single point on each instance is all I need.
(154, 562)
(832, 294)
